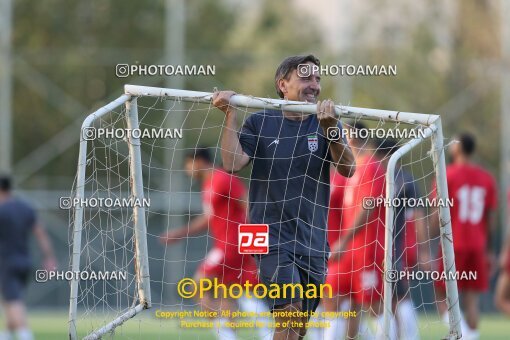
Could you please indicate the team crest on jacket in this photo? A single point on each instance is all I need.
(313, 143)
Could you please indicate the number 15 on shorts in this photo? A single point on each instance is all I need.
(253, 238)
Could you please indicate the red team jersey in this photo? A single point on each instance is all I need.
(473, 191)
(368, 181)
(222, 199)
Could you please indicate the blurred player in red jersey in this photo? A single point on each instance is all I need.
(336, 304)
(224, 208)
(502, 294)
(473, 218)
(359, 251)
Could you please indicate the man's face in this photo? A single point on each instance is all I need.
(193, 167)
(454, 150)
(304, 89)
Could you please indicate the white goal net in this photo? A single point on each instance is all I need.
(154, 219)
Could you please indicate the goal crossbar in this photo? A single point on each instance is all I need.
(286, 105)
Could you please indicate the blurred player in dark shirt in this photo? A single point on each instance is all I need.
(408, 241)
(17, 222)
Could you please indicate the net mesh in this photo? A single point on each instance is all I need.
(177, 200)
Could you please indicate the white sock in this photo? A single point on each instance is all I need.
(407, 320)
(336, 329)
(338, 326)
(257, 306)
(222, 332)
(379, 331)
(5, 335)
(471, 334)
(445, 318)
(24, 334)
(316, 333)
(364, 329)
(467, 332)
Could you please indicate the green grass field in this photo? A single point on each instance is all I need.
(53, 325)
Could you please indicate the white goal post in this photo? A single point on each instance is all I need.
(431, 125)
